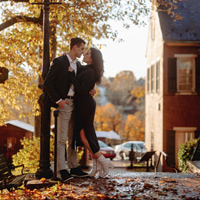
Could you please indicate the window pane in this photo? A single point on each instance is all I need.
(152, 78)
(185, 87)
(157, 76)
(185, 79)
(185, 67)
(185, 71)
(185, 74)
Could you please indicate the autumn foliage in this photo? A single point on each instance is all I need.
(29, 155)
(107, 118)
(185, 153)
(134, 129)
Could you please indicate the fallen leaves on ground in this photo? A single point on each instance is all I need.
(112, 187)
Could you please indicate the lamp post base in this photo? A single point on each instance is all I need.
(44, 173)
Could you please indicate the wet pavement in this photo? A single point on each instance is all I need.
(121, 183)
(146, 185)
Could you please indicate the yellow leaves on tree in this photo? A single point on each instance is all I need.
(107, 118)
(138, 92)
(21, 54)
(134, 129)
(21, 43)
(29, 155)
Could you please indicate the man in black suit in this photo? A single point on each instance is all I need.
(60, 90)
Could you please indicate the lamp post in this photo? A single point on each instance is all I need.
(44, 170)
(3, 74)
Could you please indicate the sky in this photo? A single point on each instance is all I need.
(127, 55)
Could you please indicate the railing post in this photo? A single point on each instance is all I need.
(131, 156)
(56, 112)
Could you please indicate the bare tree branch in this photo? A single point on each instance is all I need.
(17, 1)
(21, 18)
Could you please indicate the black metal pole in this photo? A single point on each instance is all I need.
(56, 112)
(44, 170)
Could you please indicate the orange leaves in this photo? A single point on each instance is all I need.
(107, 118)
(43, 180)
(138, 91)
(90, 187)
(114, 187)
(134, 129)
(169, 180)
(169, 6)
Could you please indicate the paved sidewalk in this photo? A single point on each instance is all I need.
(123, 185)
(126, 184)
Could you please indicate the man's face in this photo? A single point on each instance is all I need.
(80, 50)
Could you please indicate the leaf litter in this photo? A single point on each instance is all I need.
(113, 187)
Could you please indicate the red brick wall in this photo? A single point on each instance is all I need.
(178, 110)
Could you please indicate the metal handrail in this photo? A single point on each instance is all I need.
(166, 159)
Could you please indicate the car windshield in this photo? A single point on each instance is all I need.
(141, 146)
(128, 145)
(102, 144)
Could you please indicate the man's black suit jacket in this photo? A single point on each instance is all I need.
(57, 82)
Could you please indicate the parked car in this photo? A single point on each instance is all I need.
(106, 150)
(123, 149)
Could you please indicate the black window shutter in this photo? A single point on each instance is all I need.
(171, 147)
(197, 134)
(172, 75)
(197, 74)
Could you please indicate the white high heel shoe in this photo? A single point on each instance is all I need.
(105, 164)
(95, 168)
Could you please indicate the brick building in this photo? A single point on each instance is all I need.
(10, 136)
(173, 80)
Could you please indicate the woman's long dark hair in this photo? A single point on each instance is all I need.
(97, 62)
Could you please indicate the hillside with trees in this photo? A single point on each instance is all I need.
(126, 93)
(124, 113)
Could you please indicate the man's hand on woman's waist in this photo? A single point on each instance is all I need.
(62, 103)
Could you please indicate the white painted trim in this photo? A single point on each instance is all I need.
(184, 128)
(185, 55)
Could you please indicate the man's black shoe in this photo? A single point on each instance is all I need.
(65, 175)
(77, 172)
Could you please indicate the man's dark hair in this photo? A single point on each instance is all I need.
(76, 41)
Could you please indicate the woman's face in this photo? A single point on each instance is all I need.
(87, 57)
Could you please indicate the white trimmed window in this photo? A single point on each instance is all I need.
(185, 73)
(157, 76)
(152, 78)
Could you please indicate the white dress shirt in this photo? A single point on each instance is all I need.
(74, 67)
